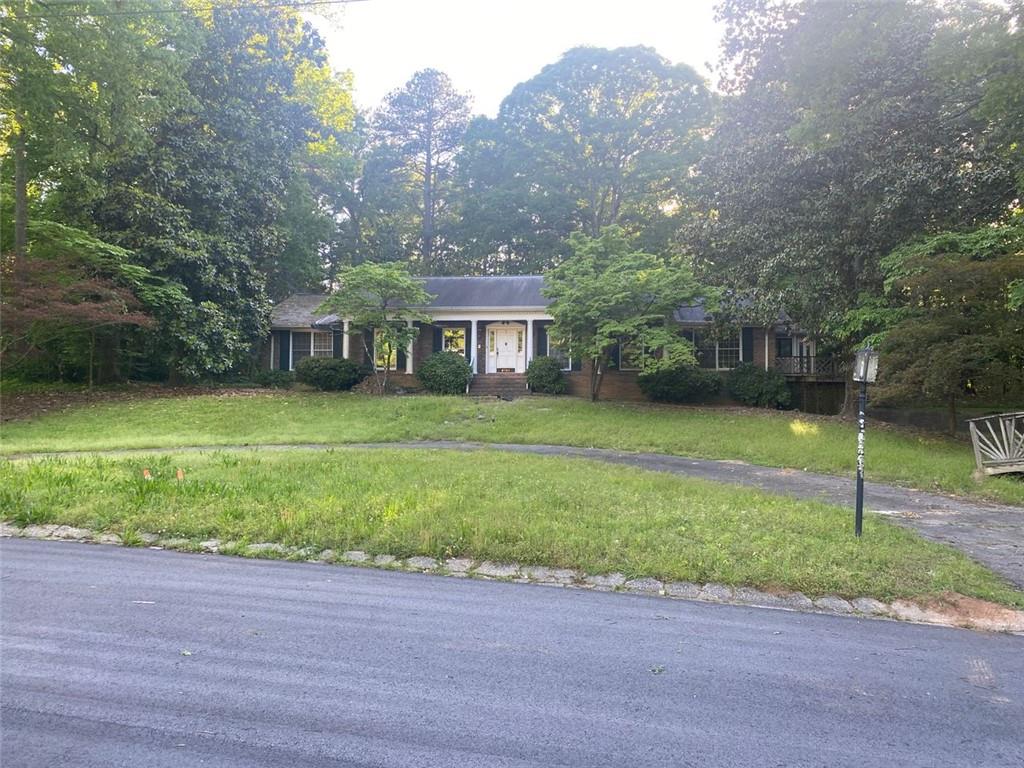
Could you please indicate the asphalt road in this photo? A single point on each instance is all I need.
(127, 657)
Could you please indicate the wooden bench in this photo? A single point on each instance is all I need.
(998, 442)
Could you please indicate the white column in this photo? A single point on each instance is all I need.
(408, 352)
(344, 339)
(529, 342)
(472, 346)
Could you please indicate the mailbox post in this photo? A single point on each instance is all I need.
(865, 369)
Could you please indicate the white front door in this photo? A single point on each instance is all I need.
(505, 349)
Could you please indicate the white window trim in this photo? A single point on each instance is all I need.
(444, 339)
(312, 343)
(568, 358)
(693, 332)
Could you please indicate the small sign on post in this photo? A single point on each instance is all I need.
(865, 369)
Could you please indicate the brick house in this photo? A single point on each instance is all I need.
(500, 324)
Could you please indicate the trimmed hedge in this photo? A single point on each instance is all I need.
(545, 376)
(683, 384)
(445, 373)
(755, 386)
(275, 379)
(330, 374)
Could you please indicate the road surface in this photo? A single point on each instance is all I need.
(131, 657)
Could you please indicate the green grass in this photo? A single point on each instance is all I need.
(779, 439)
(534, 510)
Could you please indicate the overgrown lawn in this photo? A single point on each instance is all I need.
(763, 437)
(551, 511)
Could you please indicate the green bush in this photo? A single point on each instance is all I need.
(275, 379)
(329, 373)
(545, 376)
(445, 373)
(755, 386)
(682, 384)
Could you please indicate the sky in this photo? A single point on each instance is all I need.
(489, 46)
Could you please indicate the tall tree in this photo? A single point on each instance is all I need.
(837, 142)
(599, 138)
(423, 124)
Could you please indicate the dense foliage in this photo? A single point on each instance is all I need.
(445, 373)
(545, 376)
(755, 386)
(608, 294)
(275, 379)
(168, 176)
(328, 373)
(680, 384)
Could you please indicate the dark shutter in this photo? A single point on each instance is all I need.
(284, 340)
(400, 360)
(577, 364)
(540, 333)
(469, 340)
(747, 345)
(614, 358)
(338, 344)
(438, 338)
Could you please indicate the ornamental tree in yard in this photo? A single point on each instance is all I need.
(380, 300)
(609, 294)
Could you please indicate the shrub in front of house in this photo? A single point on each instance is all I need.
(682, 384)
(545, 376)
(755, 386)
(445, 373)
(275, 379)
(330, 374)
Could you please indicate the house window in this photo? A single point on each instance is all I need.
(300, 347)
(565, 358)
(783, 346)
(728, 352)
(519, 342)
(631, 357)
(382, 360)
(714, 355)
(323, 344)
(454, 340)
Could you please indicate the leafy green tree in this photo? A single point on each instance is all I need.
(949, 328)
(599, 138)
(380, 301)
(609, 294)
(422, 124)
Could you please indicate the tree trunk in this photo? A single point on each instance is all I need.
(92, 356)
(849, 409)
(596, 377)
(952, 415)
(428, 208)
(20, 188)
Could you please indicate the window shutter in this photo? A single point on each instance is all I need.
(747, 345)
(438, 338)
(540, 339)
(368, 341)
(338, 345)
(469, 340)
(577, 364)
(400, 362)
(614, 361)
(284, 340)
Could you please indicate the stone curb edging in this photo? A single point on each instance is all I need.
(998, 618)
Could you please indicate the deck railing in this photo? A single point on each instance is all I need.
(825, 366)
(998, 442)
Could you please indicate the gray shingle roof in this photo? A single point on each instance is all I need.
(300, 311)
(486, 292)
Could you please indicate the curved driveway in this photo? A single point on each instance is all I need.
(992, 534)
